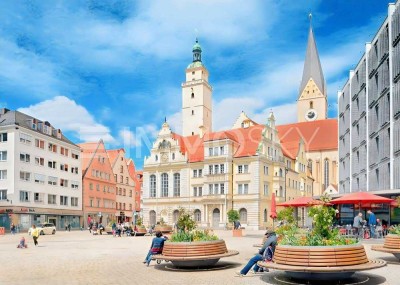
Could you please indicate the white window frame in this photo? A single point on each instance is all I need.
(3, 174)
(3, 155)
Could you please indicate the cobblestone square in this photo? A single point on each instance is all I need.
(78, 257)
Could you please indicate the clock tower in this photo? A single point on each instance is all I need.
(312, 103)
(196, 97)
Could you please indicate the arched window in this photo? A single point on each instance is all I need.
(265, 216)
(192, 95)
(164, 185)
(280, 172)
(152, 217)
(173, 156)
(153, 186)
(326, 173)
(311, 104)
(175, 216)
(197, 215)
(177, 185)
(243, 215)
(156, 157)
(310, 165)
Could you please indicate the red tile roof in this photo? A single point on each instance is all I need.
(246, 139)
(317, 135)
(113, 154)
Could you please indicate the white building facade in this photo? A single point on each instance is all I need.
(369, 115)
(40, 173)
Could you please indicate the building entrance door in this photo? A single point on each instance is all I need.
(216, 218)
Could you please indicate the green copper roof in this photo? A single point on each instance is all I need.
(196, 64)
(197, 46)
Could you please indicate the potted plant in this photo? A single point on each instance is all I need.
(233, 216)
(140, 228)
(190, 247)
(321, 252)
(163, 227)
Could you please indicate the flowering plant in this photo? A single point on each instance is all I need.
(322, 233)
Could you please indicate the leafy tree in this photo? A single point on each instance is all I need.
(287, 215)
(323, 216)
(233, 215)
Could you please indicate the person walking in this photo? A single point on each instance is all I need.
(236, 225)
(35, 234)
(69, 227)
(271, 241)
(12, 229)
(371, 223)
(357, 225)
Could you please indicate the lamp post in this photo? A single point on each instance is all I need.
(286, 172)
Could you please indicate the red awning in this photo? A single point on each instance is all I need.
(361, 198)
(302, 202)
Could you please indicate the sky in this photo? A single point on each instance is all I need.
(113, 69)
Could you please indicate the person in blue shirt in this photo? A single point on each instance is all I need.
(156, 247)
(271, 241)
(372, 223)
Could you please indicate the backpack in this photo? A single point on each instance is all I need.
(268, 254)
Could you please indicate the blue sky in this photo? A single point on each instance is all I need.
(113, 69)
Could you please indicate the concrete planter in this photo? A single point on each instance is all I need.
(195, 254)
(238, 233)
(163, 229)
(322, 262)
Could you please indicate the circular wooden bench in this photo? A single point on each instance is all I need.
(321, 262)
(195, 254)
(391, 245)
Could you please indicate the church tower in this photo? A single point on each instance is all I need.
(196, 97)
(312, 103)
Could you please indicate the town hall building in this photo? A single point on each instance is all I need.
(210, 172)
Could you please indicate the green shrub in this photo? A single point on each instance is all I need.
(233, 215)
(287, 215)
(395, 230)
(187, 229)
(322, 234)
(195, 235)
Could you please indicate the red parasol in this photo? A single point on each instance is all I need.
(303, 202)
(273, 214)
(361, 198)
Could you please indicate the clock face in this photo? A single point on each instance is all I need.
(311, 115)
(164, 157)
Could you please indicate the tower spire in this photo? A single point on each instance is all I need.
(312, 65)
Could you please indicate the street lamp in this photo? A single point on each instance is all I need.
(286, 171)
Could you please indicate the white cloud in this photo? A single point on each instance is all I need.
(175, 122)
(67, 115)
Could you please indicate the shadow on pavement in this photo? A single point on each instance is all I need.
(168, 266)
(279, 278)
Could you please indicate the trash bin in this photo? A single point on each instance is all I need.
(2, 230)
